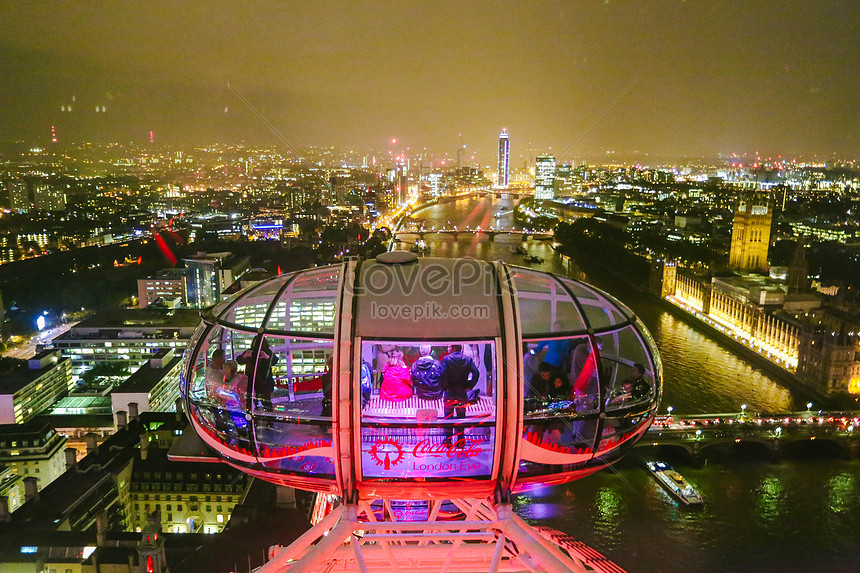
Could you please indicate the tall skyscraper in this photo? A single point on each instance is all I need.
(504, 158)
(545, 177)
(751, 234)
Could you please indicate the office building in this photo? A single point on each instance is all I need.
(169, 286)
(504, 159)
(125, 338)
(126, 479)
(154, 387)
(545, 177)
(33, 386)
(436, 184)
(33, 449)
(209, 274)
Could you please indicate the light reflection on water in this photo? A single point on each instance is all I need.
(842, 490)
(771, 502)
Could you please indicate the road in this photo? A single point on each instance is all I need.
(27, 349)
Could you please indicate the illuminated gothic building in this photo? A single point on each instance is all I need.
(828, 352)
(821, 346)
(751, 234)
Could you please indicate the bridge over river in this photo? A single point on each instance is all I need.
(411, 228)
(770, 433)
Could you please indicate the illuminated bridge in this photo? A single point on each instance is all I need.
(412, 229)
(770, 433)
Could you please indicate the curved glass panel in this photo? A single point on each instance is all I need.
(320, 279)
(629, 374)
(308, 304)
(217, 405)
(620, 432)
(561, 405)
(599, 310)
(249, 309)
(188, 369)
(545, 306)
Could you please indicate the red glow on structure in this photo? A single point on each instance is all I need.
(151, 136)
(176, 236)
(165, 250)
(279, 270)
(53, 135)
(150, 566)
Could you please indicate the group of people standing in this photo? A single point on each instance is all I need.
(569, 372)
(224, 383)
(453, 377)
(227, 385)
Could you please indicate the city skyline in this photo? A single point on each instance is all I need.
(687, 79)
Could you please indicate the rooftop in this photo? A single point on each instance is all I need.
(135, 318)
(60, 497)
(147, 376)
(27, 430)
(23, 375)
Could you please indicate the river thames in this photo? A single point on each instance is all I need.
(800, 514)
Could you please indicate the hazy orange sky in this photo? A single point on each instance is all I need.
(707, 77)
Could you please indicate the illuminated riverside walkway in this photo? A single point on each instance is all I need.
(772, 433)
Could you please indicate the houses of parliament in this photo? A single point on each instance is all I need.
(771, 310)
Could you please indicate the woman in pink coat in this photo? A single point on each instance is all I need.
(396, 379)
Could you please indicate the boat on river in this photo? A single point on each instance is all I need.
(420, 247)
(675, 483)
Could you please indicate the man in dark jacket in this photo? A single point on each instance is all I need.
(259, 373)
(639, 388)
(426, 374)
(459, 374)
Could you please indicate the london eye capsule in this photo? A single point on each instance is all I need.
(420, 378)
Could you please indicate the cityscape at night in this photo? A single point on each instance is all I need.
(436, 286)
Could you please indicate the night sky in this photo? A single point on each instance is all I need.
(704, 77)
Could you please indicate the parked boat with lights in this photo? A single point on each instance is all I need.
(675, 483)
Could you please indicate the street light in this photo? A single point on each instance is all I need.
(669, 409)
(808, 406)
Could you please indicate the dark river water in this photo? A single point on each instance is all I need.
(800, 514)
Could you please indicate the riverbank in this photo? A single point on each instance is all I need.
(588, 262)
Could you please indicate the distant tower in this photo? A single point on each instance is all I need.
(504, 158)
(751, 234)
(798, 270)
(545, 177)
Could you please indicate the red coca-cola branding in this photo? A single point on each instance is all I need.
(462, 448)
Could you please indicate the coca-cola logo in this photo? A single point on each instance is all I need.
(462, 448)
(387, 452)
